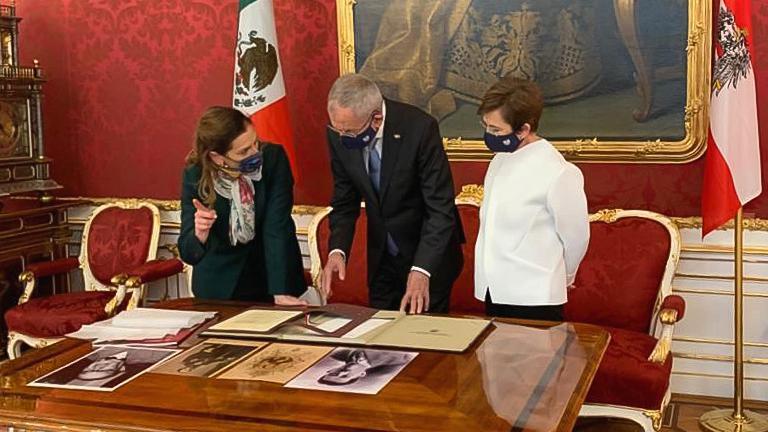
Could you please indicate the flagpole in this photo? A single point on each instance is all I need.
(736, 420)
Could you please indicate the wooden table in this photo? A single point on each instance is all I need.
(509, 379)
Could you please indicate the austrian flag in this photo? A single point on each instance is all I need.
(732, 167)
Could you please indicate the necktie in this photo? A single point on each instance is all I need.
(374, 172)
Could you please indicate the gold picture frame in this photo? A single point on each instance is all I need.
(693, 115)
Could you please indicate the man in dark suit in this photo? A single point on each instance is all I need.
(390, 155)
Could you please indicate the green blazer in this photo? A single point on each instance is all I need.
(271, 263)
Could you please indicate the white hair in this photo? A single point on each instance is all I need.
(356, 92)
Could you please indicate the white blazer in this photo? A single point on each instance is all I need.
(534, 227)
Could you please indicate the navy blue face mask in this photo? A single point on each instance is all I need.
(251, 163)
(501, 143)
(360, 140)
(246, 166)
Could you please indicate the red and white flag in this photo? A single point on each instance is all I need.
(259, 89)
(732, 168)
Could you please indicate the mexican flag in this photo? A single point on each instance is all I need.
(259, 89)
(732, 166)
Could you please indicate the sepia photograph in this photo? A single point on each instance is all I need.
(208, 358)
(278, 363)
(354, 370)
(105, 369)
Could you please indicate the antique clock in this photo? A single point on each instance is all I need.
(23, 165)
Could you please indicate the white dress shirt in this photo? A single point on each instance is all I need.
(534, 227)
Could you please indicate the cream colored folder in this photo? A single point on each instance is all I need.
(431, 333)
(256, 320)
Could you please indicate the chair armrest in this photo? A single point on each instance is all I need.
(672, 311)
(42, 269)
(49, 268)
(674, 302)
(153, 270)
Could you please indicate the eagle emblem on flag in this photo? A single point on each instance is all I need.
(734, 63)
(257, 67)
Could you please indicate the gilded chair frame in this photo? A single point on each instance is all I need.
(696, 110)
(649, 420)
(90, 283)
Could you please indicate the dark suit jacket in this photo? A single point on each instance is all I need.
(271, 263)
(416, 200)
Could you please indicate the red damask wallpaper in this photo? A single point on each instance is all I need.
(128, 78)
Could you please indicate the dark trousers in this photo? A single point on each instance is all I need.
(544, 313)
(388, 285)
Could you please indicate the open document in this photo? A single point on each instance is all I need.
(356, 325)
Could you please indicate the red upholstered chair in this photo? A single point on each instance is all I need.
(624, 284)
(118, 238)
(463, 294)
(354, 289)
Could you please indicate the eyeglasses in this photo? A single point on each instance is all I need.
(346, 133)
(486, 127)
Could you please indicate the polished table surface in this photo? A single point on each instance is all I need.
(514, 377)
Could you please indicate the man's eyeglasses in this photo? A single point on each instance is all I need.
(352, 134)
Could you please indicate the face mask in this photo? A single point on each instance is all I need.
(360, 140)
(250, 164)
(248, 167)
(501, 143)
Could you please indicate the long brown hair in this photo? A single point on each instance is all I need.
(216, 130)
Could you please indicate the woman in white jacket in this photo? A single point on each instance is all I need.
(534, 225)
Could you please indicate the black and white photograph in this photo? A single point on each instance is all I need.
(354, 370)
(208, 358)
(104, 369)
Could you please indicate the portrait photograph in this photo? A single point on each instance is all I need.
(208, 358)
(104, 369)
(277, 363)
(354, 370)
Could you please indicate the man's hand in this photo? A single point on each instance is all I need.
(287, 300)
(416, 293)
(335, 264)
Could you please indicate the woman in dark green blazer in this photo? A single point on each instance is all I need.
(236, 225)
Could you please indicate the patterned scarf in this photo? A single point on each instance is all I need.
(240, 193)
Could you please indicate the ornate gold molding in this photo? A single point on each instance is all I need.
(695, 222)
(717, 341)
(165, 205)
(719, 358)
(345, 27)
(172, 205)
(470, 194)
(695, 120)
(655, 417)
(709, 375)
(717, 292)
(606, 215)
(306, 210)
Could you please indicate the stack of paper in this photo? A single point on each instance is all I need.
(144, 326)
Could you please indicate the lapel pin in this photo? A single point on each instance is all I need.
(397, 136)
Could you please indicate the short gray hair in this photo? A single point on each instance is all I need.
(356, 92)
